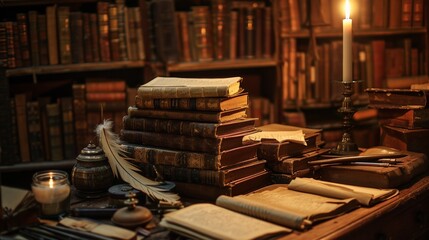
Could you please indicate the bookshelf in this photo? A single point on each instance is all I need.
(150, 51)
(390, 49)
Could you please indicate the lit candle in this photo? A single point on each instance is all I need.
(52, 191)
(347, 45)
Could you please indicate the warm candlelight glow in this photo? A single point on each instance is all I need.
(51, 182)
(347, 9)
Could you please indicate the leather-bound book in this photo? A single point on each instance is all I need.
(51, 28)
(67, 120)
(114, 43)
(55, 131)
(220, 178)
(64, 38)
(76, 36)
(392, 176)
(195, 104)
(21, 119)
(235, 188)
(405, 139)
(34, 37)
(404, 118)
(43, 39)
(186, 143)
(188, 159)
(103, 31)
(35, 139)
(189, 128)
(24, 41)
(397, 98)
(201, 116)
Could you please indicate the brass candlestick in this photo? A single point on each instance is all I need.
(347, 146)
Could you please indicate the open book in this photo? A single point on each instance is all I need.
(365, 195)
(15, 200)
(208, 221)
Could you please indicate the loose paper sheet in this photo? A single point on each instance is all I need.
(281, 136)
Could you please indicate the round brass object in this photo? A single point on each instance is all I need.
(92, 175)
(132, 216)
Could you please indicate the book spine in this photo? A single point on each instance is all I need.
(197, 104)
(23, 39)
(66, 104)
(21, 118)
(166, 36)
(51, 25)
(407, 12)
(43, 39)
(171, 173)
(8, 139)
(207, 145)
(64, 38)
(131, 34)
(55, 132)
(177, 115)
(180, 92)
(121, 28)
(80, 118)
(94, 36)
(10, 45)
(105, 86)
(34, 43)
(3, 46)
(103, 30)
(185, 128)
(184, 159)
(114, 33)
(105, 96)
(182, 20)
(76, 40)
(418, 10)
(34, 131)
(43, 101)
(87, 38)
(18, 53)
(202, 33)
(138, 26)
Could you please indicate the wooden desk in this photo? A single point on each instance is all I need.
(403, 217)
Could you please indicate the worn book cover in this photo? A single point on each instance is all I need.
(392, 176)
(397, 98)
(220, 178)
(199, 116)
(210, 192)
(405, 139)
(186, 143)
(404, 118)
(294, 165)
(194, 104)
(174, 87)
(188, 128)
(188, 159)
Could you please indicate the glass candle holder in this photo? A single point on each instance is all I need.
(51, 190)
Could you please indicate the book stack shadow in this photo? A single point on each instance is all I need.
(196, 142)
(289, 159)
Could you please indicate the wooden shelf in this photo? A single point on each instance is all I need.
(15, 3)
(220, 65)
(31, 166)
(70, 68)
(359, 33)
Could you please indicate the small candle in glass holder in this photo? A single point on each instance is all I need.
(51, 190)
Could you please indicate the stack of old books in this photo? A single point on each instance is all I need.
(403, 116)
(288, 158)
(190, 131)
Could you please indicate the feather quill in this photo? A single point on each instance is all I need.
(109, 142)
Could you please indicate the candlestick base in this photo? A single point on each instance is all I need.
(347, 146)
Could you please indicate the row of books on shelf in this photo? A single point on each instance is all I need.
(74, 119)
(376, 63)
(61, 35)
(226, 30)
(366, 14)
(116, 32)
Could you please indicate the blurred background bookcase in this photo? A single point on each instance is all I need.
(390, 39)
(34, 72)
(267, 42)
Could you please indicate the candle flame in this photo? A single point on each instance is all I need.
(51, 181)
(347, 8)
